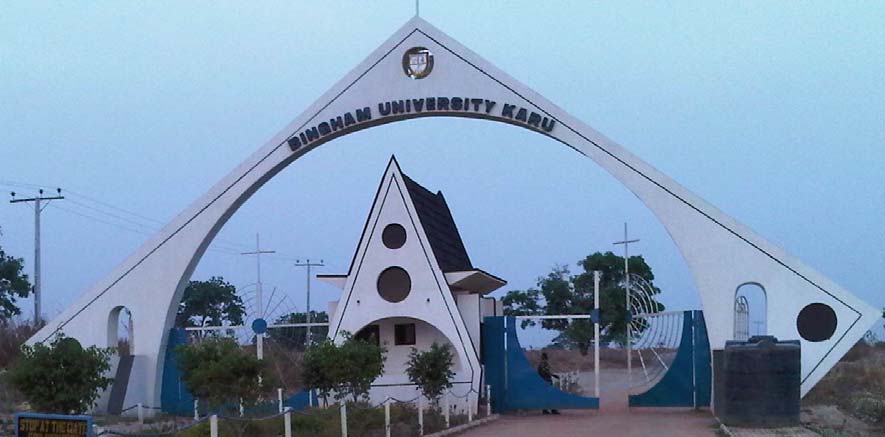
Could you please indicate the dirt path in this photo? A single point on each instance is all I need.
(614, 418)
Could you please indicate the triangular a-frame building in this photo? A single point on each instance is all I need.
(411, 283)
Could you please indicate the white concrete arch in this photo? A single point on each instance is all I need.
(721, 253)
(397, 353)
(113, 335)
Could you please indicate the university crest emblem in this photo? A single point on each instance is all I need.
(417, 62)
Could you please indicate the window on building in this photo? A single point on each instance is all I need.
(370, 334)
(404, 335)
(394, 284)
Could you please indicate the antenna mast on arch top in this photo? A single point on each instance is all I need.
(417, 8)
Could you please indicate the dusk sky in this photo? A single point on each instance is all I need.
(773, 112)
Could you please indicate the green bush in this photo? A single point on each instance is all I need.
(348, 368)
(63, 377)
(431, 370)
(219, 372)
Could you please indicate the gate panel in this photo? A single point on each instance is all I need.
(688, 380)
(515, 384)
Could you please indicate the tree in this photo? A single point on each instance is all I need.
(612, 302)
(360, 362)
(218, 371)
(523, 303)
(431, 370)
(347, 368)
(296, 338)
(211, 302)
(63, 377)
(14, 285)
(319, 368)
(566, 294)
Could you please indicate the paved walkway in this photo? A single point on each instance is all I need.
(614, 418)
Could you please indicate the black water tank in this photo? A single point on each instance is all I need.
(762, 379)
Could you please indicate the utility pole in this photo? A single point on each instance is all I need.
(259, 338)
(38, 208)
(308, 264)
(626, 242)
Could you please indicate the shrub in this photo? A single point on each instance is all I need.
(218, 371)
(346, 369)
(360, 363)
(62, 377)
(431, 370)
(319, 368)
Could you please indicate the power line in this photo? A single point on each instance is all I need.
(152, 227)
(148, 233)
(137, 223)
(308, 264)
(38, 209)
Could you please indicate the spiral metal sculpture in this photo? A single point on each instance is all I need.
(654, 334)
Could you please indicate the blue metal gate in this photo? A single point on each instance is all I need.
(688, 380)
(515, 384)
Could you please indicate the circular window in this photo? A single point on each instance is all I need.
(393, 236)
(816, 322)
(394, 284)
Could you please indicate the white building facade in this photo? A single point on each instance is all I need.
(411, 283)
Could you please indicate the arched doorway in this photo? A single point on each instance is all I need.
(754, 302)
(121, 330)
(741, 318)
(399, 336)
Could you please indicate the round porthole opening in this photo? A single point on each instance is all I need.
(394, 284)
(816, 322)
(393, 236)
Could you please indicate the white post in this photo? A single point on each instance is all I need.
(488, 400)
(213, 426)
(310, 398)
(596, 277)
(629, 311)
(196, 409)
(387, 417)
(626, 244)
(420, 416)
(280, 399)
(447, 410)
(241, 407)
(343, 418)
(287, 422)
(469, 409)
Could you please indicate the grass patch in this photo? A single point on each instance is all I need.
(856, 384)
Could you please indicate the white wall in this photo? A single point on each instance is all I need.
(398, 356)
(468, 306)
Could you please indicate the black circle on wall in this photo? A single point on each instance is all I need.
(394, 284)
(816, 322)
(393, 236)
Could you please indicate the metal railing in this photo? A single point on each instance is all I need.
(287, 412)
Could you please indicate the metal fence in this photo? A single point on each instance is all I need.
(442, 411)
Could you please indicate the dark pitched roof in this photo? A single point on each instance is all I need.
(438, 224)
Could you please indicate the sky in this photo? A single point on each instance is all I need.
(773, 112)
